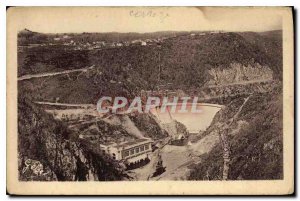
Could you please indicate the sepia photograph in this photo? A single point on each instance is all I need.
(167, 97)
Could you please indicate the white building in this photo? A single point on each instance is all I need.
(129, 152)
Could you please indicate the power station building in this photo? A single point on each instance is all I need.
(130, 153)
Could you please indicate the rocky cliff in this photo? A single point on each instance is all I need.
(238, 73)
(49, 152)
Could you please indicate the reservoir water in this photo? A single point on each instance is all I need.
(194, 122)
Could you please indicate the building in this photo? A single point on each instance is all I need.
(131, 153)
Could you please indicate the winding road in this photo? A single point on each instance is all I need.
(27, 77)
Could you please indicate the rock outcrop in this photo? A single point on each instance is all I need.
(49, 152)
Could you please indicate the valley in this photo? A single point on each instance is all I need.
(237, 80)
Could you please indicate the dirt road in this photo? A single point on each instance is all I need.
(27, 77)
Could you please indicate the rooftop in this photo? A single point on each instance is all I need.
(138, 141)
(129, 144)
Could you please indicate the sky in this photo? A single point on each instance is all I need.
(144, 19)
